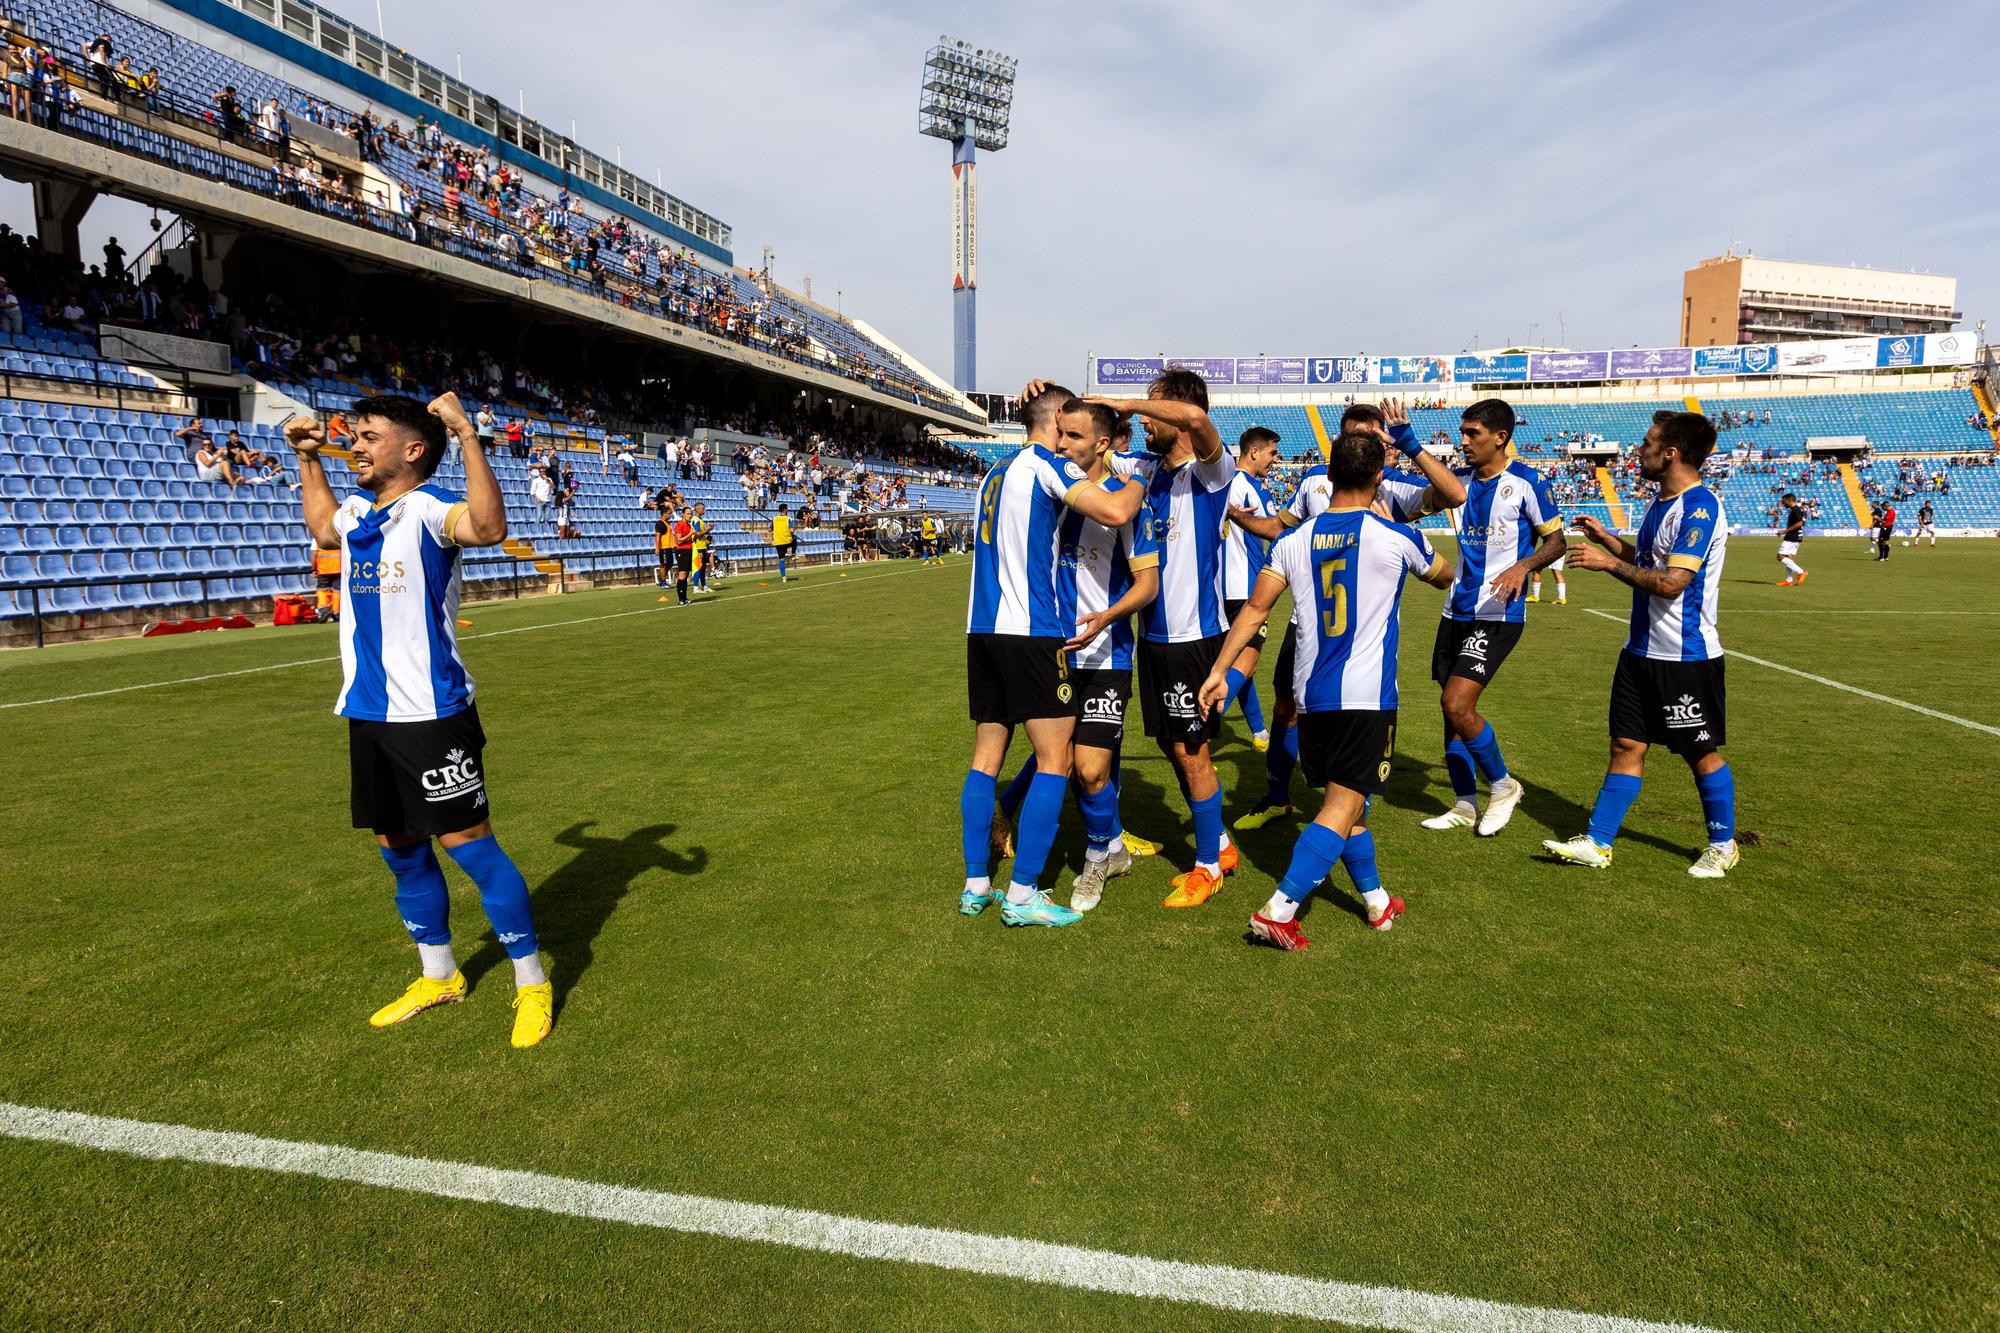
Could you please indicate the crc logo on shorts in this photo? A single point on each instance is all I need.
(1064, 693)
(1105, 707)
(1474, 646)
(1180, 701)
(459, 776)
(1686, 712)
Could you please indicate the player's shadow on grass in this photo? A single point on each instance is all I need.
(573, 904)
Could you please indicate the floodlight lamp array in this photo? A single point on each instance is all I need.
(962, 82)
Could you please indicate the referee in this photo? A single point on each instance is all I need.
(413, 736)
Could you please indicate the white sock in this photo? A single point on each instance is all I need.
(979, 885)
(1094, 854)
(1792, 565)
(1535, 588)
(438, 961)
(1280, 908)
(528, 971)
(1214, 868)
(1225, 840)
(1562, 589)
(1377, 900)
(1020, 894)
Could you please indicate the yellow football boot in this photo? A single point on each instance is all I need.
(424, 993)
(1139, 846)
(534, 1014)
(1262, 815)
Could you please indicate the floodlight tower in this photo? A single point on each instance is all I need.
(967, 96)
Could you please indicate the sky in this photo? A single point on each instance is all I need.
(1194, 179)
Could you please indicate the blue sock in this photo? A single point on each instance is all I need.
(1485, 748)
(1614, 798)
(1117, 782)
(1253, 708)
(1279, 761)
(1100, 816)
(1718, 803)
(1207, 828)
(1235, 680)
(781, 566)
(975, 823)
(502, 892)
(1358, 856)
(420, 892)
(1313, 856)
(1017, 790)
(1041, 815)
(1458, 763)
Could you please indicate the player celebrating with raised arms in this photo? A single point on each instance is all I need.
(1507, 524)
(1346, 568)
(1017, 662)
(1668, 686)
(1187, 476)
(413, 736)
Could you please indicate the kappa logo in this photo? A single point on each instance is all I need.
(1702, 736)
(1105, 707)
(1685, 712)
(1479, 668)
(511, 936)
(1180, 701)
(1701, 513)
(412, 926)
(458, 776)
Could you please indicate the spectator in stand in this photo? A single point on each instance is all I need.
(212, 464)
(234, 122)
(628, 463)
(97, 54)
(540, 490)
(10, 309)
(192, 436)
(517, 438)
(18, 63)
(483, 426)
(128, 80)
(241, 455)
(149, 88)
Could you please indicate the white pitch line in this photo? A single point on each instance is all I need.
(489, 634)
(1220, 1287)
(1834, 684)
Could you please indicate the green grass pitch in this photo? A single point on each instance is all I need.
(1768, 1103)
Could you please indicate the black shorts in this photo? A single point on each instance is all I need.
(422, 778)
(1101, 693)
(1680, 705)
(1288, 653)
(681, 559)
(1348, 749)
(1232, 605)
(1170, 676)
(785, 549)
(1473, 649)
(1010, 678)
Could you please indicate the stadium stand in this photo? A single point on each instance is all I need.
(507, 221)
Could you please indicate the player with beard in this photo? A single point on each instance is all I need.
(1508, 528)
(1668, 688)
(1017, 661)
(1187, 475)
(414, 742)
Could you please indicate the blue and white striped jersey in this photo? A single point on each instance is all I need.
(1502, 521)
(399, 608)
(1098, 563)
(1243, 552)
(1688, 531)
(1401, 493)
(1016, 546)
(1186, 506)
(1346, 569)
